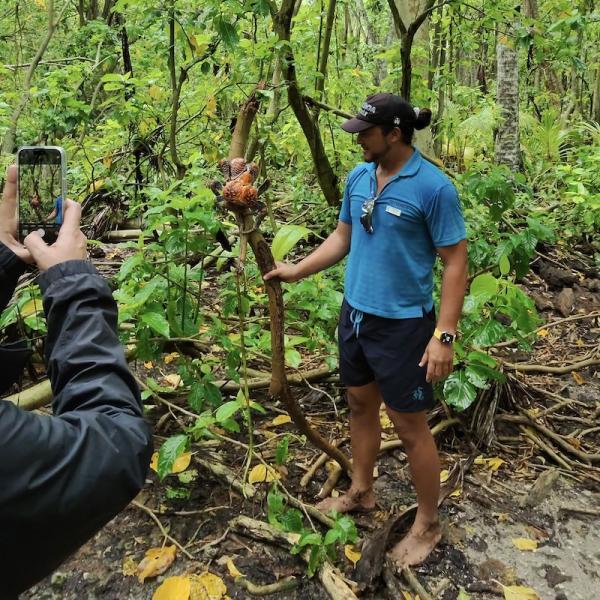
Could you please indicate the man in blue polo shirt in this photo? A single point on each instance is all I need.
(398, 214)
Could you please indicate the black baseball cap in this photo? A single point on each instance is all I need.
(381, 109)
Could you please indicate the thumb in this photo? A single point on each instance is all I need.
(35, 244)
(424, 358)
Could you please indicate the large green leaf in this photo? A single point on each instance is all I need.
(157, 322)
(459, 392)
(227, 410)
(286, 238)
(484, 285)
(172, 448)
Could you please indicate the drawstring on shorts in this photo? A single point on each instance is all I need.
(356, 316)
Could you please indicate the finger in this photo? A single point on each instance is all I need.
(71, 217)
(35, 244)
(9, 204)
(424, 359)
(270, 274)
(430, 371)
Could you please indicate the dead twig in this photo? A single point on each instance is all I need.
(151, 513)
(283, 585)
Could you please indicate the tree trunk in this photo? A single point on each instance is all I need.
(324, 50)
(9, 137)
(282, 23)
(596, 98)
(507, 138)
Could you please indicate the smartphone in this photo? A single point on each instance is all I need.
(41, 190)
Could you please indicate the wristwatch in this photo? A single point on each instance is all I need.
(444, 336)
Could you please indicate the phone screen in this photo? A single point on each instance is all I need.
(41, 191)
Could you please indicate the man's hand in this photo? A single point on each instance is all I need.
(70, 244)
(438, 358)
(284, 272)
(8, 217)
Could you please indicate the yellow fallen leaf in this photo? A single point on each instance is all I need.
(502, 517)
(171, 357)
(260, 474)
(31, 308)
(519, 592)
(148, 364)
(173, 380)
(580, 342)
(578, 378)
(96, 186)
(181, 463)
(352, 554)
(233, 570)
(281, 420)
(494, 463)
(173, 588)
(444, 474)
(479, 460)
(129, 566)
(156, 562)
(385, 420)
(456, 493)
(542, 333)
(207, 587)
(525, 544)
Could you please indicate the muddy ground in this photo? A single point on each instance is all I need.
(477, 554)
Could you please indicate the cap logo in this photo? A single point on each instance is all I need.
(396, 120)
(367, 109)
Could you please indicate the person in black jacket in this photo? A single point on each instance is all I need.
(64, 477)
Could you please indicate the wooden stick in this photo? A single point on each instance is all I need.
(584, 511)
(150, 512)
(220, 470)
(334, 584)
(415, 584)
(283, 585)
(548, 326)
(321, 460)
(531, 368)
(546, 448)
(526, 420)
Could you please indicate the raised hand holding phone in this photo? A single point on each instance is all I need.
(8, 217)
(70, 245)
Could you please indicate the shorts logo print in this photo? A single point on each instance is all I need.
(418, 394)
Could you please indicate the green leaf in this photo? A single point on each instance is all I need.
(286, 238)
(482, 358)
(227, 410)
(281, 454)
(504, 265)
(196, 397)
(458, 391)
(310, 538)
(292, 520)
(477, 376)
(484, 285)
(332, 536)
(157, 322)
(171, 449)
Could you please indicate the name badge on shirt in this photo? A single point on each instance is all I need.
(393, 210)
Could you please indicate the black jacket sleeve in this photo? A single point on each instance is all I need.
(11, 268)
(64, 477)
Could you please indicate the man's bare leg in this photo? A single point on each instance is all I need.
(365, 437)
(424, 462)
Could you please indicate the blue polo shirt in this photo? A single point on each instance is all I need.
(390, 271)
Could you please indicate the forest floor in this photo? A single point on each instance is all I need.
(492, 506)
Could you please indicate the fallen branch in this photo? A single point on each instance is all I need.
(415, 584)
(283, 585)
(549, 450)
(595, 512)
(549, 326)
(321, 460)
(334, 584)
(526, 420)
(261, 383)
(223, 472)
(336, 472)
(532, 368)
(150, 513)
(33, 397)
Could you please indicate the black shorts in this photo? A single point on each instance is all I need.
(387, 351)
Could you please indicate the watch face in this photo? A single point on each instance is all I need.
(446, 338)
